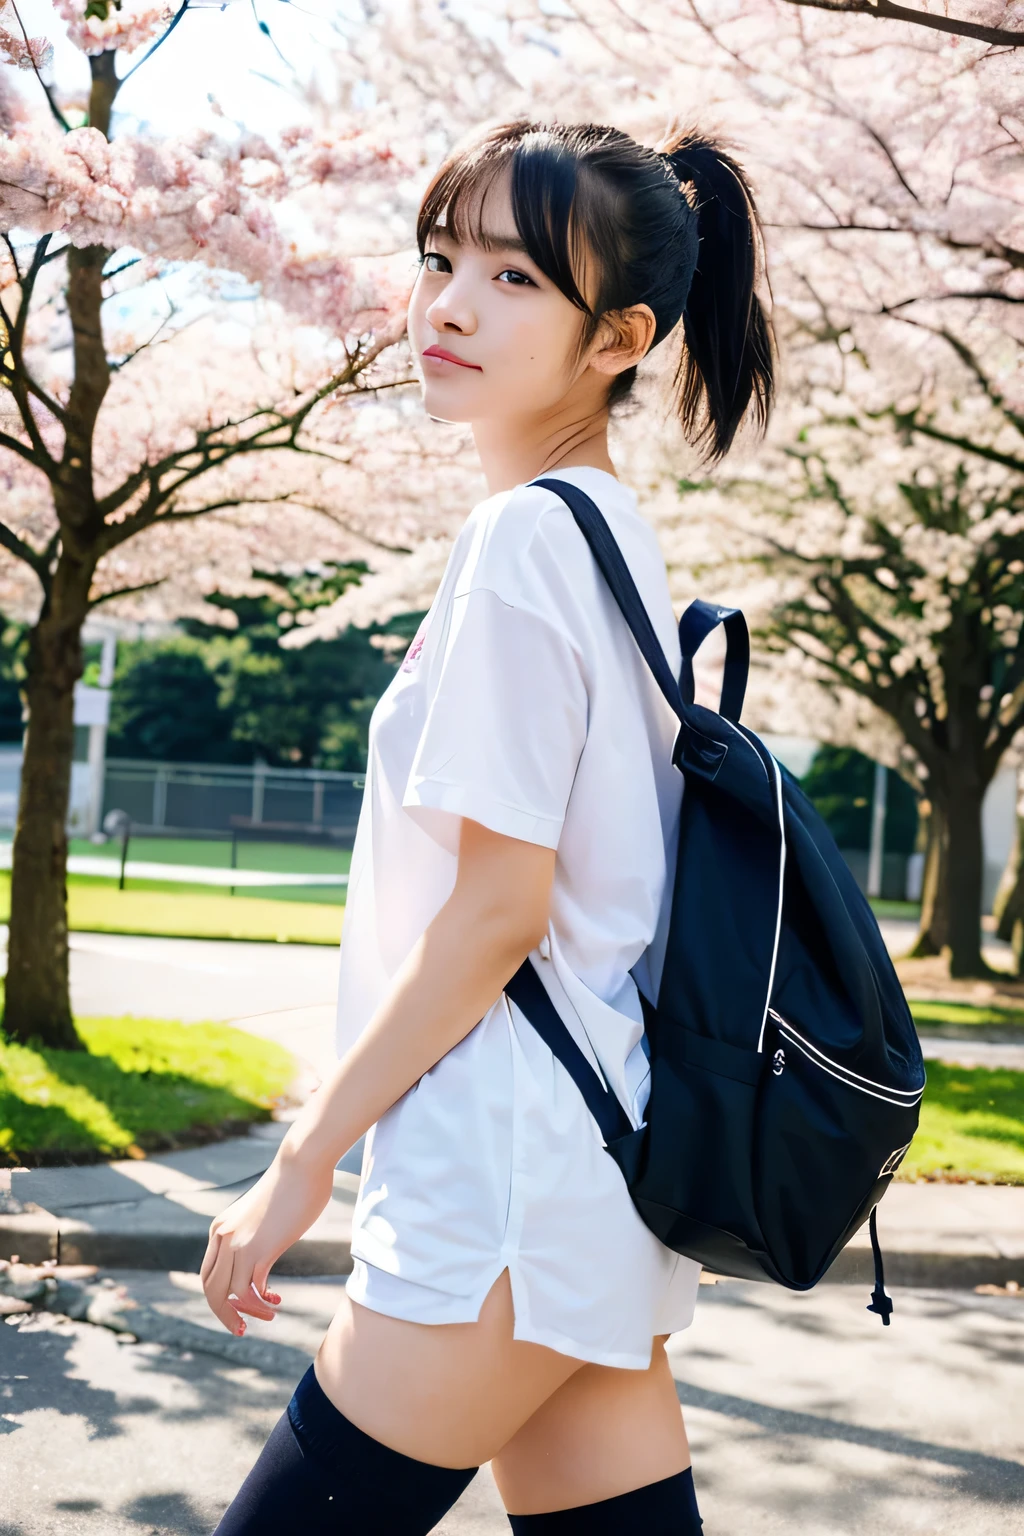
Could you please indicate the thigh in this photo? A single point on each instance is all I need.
(604, 1432)
(448, 1393)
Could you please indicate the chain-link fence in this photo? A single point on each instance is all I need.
(199, 797)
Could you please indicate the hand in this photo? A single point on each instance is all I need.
(248, 1238)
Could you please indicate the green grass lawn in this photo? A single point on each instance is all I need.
(907, 909)
(961, 1018)
(192, 912)
(141, 1085)
(210, 853)
(215, 853)
(972, 1126)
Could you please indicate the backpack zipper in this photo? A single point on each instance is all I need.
(906, 1098)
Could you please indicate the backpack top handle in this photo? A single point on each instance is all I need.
(694, 627)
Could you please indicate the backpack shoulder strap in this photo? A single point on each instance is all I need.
(528, 992)
(695, 625)
(525, 988)
(616, 573)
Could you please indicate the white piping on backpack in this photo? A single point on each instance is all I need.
(782, 864)
(906, 1098)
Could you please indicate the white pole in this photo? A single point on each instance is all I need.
(98, 739)
(877, 845)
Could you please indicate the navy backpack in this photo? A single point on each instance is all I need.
(786, 1072)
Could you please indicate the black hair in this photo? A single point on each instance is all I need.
(675, 228)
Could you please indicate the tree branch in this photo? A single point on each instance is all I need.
(28, 454)
(142, 586)
(973, 365)
(16, 546)
(57, 113)
(27, 284)
(212, 451)
(998, 37)
(160, 40)
(908, 422)
(940, 298)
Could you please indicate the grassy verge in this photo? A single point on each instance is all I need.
(292, 858)
(140, 1085)
(972, 1126)
(906, 909)
(193, 913)
(961, 1018)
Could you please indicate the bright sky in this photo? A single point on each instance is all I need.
(217, 50)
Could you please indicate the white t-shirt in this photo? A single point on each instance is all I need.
(524, 704)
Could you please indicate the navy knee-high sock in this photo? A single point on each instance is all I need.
(665, 1508)
(320, 1475)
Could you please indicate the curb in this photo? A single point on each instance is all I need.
(37, 1235)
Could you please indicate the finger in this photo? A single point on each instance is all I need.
(251, 1301)
(243, 1295)
(218, 1284)
(210, 1255)
(261, 1280)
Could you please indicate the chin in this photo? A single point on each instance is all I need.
(448, 411)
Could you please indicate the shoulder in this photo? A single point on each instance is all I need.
(521, 544)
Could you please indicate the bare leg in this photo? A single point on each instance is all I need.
(451, 1394)
(603, 1432)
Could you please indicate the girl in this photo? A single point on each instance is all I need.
(507, 1304)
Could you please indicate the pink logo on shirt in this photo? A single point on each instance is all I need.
(412, 655)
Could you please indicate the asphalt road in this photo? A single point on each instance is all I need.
(806, 1417)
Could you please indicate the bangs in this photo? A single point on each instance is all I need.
(543, 176)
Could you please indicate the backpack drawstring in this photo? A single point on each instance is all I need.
(880, 1302)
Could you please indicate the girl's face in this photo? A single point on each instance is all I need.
(492, 336)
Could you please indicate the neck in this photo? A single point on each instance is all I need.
(512, 452)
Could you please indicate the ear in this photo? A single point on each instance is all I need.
(623, 338)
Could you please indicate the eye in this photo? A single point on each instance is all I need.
(433, 261)
(516, 279)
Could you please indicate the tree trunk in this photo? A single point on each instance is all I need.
(933, 932)
(965, 877)
(37, 1004)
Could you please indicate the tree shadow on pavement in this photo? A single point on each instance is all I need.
(993, 1477)
(91, 1421)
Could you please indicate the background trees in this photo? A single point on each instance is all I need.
(217, 695)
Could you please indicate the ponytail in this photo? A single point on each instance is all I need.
(726, 360)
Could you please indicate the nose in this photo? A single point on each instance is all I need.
(452, 310)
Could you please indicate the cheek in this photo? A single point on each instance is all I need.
(536, 345)
(416, 321)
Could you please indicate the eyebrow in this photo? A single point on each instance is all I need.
(489, 241)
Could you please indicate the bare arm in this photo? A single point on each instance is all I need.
(496, 914)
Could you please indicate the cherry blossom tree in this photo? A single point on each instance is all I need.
(132, 408)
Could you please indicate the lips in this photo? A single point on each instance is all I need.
(449, 357)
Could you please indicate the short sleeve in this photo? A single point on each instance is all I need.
(505, 726)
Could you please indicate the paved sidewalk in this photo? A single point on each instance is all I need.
(154, 1213)
(196, 980)
(805, 1417)
(899, 934)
